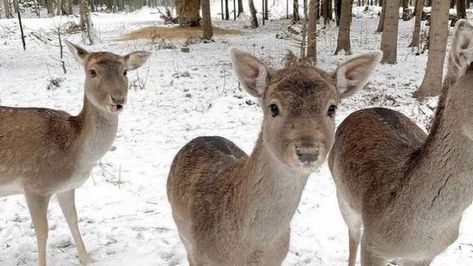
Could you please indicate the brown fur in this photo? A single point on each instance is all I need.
(45, 152)
(232, 209)
(408, 190)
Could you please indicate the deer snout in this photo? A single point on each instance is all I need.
(307, 151)
(117, 103)
(118, 100)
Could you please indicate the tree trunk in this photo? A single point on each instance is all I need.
(461, 8)
(17, 7)
(240, 7)
(86, 22)
(206, 20)
(327, 11)
(390, 29)
(338, 10)
(312, 32)
(416, 33)
(254, 19)
(295, 11)
(405, 10)
(432, 83)
(188, 12)
(227, 13)
(8, 13)
(381, 16)
(343, 41)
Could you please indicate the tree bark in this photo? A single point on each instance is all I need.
(206, 20)
(240, 7)
(461, 8)
(86, 22)
(343, 40)
(327, 11)
(338, 11)
(416, 33)
(390, 30)
(405, 10)
(8, 13)
(254, 19)
(295, 11)
(227, 13)
(432, 83)
(381, 16)
(188, 12)
(312, 32)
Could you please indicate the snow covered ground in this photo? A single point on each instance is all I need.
(125, 218)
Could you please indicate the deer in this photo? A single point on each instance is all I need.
(235, 209)
(45, 152)
(408, 189)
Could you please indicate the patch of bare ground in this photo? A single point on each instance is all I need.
(159, 32)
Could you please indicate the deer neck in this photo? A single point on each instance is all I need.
(97, 133)
(273, 193)
(442, 173)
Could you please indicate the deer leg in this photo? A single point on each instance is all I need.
(368, 258)
(68, 206)
(38, 207)
(353, 221)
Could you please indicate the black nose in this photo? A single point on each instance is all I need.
(306, 151)
(118, 100)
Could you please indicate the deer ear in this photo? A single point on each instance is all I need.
(354, 73)
(462, 45)
(250, 71)
(78, 52)
(136, 59)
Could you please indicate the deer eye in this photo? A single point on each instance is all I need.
(93, 73)
(332, 109)
(274, 110)
(125, 72)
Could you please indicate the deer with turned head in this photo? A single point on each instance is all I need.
(408, 190)
(46, 152)
(235, 209)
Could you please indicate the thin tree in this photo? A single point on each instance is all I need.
(6, 5)
(343, 40)
(415, 42)
(312, 32)
(461, 8)
(405, 10)
(390, 30)
(240, 7)
(381, 16)
(338, 10)
(21, 25)
(254, 19)
(86, 23)
(206, 20)
(432, 83)
(327, 10)
(295, 11)
(227, 13)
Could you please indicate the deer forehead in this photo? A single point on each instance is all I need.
(105, 60)
(302, 87)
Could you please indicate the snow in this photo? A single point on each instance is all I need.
(125, 217)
